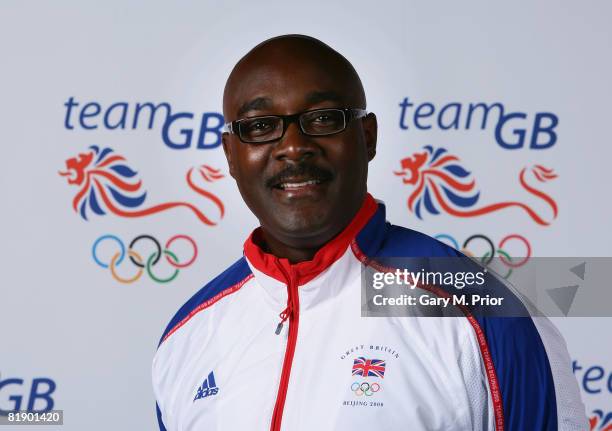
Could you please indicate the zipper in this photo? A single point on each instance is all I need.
(284, 315)
(291, 313)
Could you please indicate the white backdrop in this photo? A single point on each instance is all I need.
(66, 319)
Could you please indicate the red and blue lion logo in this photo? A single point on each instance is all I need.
(600, 421)
(108, 185)
(441, 184)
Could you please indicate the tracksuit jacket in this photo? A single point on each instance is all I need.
(269, 345)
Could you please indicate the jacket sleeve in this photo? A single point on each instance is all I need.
(534, 376)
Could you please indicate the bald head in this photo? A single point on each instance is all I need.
(268, 75)
(303, 187)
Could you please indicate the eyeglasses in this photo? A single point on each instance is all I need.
(319, 122)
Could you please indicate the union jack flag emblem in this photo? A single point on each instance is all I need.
(369, 367)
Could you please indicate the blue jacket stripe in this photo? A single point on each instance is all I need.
(160, 422)
(523, 372)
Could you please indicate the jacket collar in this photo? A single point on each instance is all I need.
(323, 259)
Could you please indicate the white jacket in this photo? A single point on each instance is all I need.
(222, 366)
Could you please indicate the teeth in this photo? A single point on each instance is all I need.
(298, 185)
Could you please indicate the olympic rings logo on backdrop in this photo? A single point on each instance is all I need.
(492, 250)
(137, 260)
(365, 388)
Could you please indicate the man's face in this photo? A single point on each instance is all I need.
(303, 189)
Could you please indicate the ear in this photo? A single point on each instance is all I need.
(227, 149)
(370, 130)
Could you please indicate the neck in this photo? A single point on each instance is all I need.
(302, 249)
(305, 258)
(282, 250)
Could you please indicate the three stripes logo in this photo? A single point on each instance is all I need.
(208, 388)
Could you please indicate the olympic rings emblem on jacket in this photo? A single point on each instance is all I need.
(492, 251)
(365, 388)
(137, 260)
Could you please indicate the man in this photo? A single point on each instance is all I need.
(277, 341)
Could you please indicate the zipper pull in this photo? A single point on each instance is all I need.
(284, 315)
(279, 328)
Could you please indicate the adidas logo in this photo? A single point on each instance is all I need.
(208, 388)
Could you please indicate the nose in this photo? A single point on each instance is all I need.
(295, 146)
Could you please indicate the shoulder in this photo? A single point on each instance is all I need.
(412, 242)
(526, 363)
(398, 241)
(225, 283)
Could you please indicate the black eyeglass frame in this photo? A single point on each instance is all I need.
(349, 115)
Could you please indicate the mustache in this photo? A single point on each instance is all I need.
(301, 170)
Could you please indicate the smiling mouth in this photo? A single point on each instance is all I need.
(300, 180)
(295, 184)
